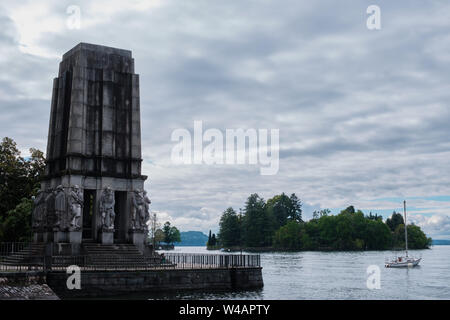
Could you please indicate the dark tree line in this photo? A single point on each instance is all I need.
(257, 222)
(278, 223)
(170, 234)
(212, 241)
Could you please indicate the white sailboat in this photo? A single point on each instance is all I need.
(405, 261)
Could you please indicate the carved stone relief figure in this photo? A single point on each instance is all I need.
(60, 209)
(137, 211)
(50, 207)
(107, 209)
(75, 207)
(38, 214)
(146, 215)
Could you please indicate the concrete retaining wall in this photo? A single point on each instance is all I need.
(99, 284)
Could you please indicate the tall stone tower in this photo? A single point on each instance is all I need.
(93, 188)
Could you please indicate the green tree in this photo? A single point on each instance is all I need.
(16, 225)
(159, 236)
(324, 212)
(394, 221)
(19, 180)
(377, 236)
(295, 212)
(208, 243)
(258, 223)
(320, 213)
(289, 236)
(171, 234)
(284, 209)
(416, 237)
(212, 241)
(280, 207)
(327, 229)
(316, 214)
(374, 217)
(154, 226)
(311, 236)
(348, 210)
(229, 229)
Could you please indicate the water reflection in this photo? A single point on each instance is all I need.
(334, 275)
(193, 295)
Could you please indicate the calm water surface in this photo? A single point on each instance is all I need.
(338, 275)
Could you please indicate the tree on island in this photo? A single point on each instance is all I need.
(374, 216)
(416, 237)
(295, 208)
(171, 233)
(289, 236)
(229, 229)
(273, 224)
(284, 208)
(320, 213)
(395, 220)
(212, 241)
(258, 223)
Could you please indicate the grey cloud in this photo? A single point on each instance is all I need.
(360, 113)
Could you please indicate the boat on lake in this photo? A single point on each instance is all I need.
(403, 261)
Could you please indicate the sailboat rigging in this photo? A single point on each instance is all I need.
(405, 261)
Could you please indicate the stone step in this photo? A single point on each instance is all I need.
(28, 254)
(106, 259)
(116, 255)
(91, 253)
(112, 250)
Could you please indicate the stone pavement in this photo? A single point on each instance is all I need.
(27, 292)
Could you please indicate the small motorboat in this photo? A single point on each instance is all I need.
(406, 261)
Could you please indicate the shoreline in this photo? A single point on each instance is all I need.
(276, 250)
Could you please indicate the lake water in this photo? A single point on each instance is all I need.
(339, 275)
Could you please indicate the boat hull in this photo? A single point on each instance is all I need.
(405, 264)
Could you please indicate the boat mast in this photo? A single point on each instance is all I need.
(406, 229)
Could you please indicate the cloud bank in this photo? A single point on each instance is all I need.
(363, 115)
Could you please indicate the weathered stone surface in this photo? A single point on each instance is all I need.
(95, 112)
(107, 238)
(29, 285)
(98, 284)
(94, 141)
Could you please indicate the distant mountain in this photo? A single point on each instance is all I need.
(192, 238)
(435, 242)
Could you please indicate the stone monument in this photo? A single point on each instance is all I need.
(93, 190)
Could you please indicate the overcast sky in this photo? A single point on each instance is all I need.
(364, 115)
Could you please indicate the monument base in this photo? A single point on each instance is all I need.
(60, 236)
(47, 237)
(38, 237)
(75, 237)
(107, 237)
(137, 237)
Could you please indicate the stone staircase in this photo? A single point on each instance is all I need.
(32, 254)
(117, 256)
